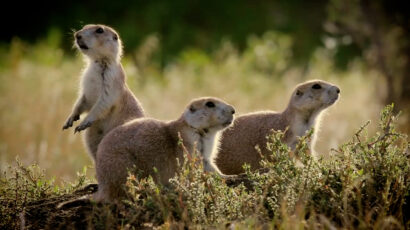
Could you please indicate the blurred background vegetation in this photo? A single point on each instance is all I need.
(250, 53)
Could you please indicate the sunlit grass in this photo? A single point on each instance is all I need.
(364, 185)
(38, 85)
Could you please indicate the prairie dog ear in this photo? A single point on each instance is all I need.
(299, 93)
(192, 109)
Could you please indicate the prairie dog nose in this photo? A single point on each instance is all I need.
(336, 89)
(230, 109)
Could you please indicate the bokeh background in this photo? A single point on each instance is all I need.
(250, 53)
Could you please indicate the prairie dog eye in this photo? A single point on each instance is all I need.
(210, 104)
(99, 30)
(316, 86)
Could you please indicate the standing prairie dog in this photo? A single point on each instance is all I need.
(104, 93)
(147, 143)
(238, 142)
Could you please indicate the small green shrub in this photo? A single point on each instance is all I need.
(364, 184)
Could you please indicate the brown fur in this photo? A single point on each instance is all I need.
(250, 130)
(104, 93)
(147, 143)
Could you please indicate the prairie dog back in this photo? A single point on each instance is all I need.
(146, 143)
(238, 142)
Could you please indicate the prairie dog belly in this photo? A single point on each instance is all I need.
(103, 92)
(92, 87)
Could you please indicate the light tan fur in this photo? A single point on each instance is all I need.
(146, 143)
(248, 131)
(104, 93)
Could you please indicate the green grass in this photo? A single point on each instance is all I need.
(360, 184)
(365, 184)
(38, 86)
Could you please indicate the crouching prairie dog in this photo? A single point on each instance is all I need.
(238, 142)
(144, 144)
(104, 93)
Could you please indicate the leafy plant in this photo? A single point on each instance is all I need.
(365, 183)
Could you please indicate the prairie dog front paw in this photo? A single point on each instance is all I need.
(71, 120)
(85, 124)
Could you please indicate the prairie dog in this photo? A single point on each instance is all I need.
(238, 142)
(146, 143)
(104, 93)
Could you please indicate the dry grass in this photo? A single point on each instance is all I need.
(38, 86)
(364, 186)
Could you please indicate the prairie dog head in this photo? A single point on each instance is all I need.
(209, 114)
(314, 95)
(98, 42)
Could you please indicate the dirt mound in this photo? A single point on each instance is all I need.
(64, 212)
(76, 211)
